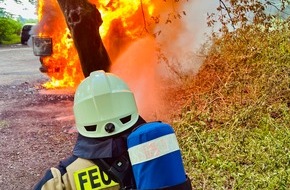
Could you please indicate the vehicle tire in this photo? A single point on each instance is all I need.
(23, 42)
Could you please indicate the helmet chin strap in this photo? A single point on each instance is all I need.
(119, 169)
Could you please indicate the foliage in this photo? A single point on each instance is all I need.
(9, 30)
(245, 72)
(235, 134)
(20, 1)
(239, 14)
(4, 13)
(24, 21)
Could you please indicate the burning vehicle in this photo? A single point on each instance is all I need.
(42, 46)
(123, 23)
(26, 33)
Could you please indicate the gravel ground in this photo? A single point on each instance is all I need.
(36, 131)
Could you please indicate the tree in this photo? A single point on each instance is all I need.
(84, 20)
(81, 15)
(4, 13)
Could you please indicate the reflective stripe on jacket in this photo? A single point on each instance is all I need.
(76, 174)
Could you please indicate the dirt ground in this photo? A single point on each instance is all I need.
(36, 131)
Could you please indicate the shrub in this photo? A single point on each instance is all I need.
(9, 31)
(235, 133)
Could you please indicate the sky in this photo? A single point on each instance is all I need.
(26, 10)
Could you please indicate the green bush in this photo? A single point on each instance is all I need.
(9, 31)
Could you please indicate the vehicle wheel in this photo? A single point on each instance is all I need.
(23, 42)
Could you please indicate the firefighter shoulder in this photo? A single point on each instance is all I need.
(105, 113)
(76, 173)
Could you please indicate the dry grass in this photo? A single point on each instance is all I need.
(235, 134)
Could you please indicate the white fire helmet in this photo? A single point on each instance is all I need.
(104, 106)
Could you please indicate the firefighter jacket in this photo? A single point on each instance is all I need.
(84, 170)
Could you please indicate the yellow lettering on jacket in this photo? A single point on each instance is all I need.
(92, 178)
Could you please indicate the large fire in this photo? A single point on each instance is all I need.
(124, 21)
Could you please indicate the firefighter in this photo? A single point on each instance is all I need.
(105, 113)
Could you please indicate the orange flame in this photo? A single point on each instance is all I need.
(123, 22)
